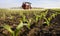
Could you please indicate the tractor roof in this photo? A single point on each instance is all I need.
(27, 2)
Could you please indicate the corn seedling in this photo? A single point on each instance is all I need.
(49, 19)
(38, 17)
(18, 28)
(28, 24)
(24, 18)
(7, 27)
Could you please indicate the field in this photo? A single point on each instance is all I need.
(36, 22)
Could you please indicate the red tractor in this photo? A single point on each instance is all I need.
(26, 5)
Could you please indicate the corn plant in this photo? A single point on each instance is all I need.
(18, 28)
(37, 17)
(29, 23)
(7, 27)
(24, 18)
(50, 18)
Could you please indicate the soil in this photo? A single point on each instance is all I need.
(36, 28)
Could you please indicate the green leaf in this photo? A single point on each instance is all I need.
(47, 21)
(18, 28)
(36, 18)
(28, 26)
(7, 27)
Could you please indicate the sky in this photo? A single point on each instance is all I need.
(35, 3)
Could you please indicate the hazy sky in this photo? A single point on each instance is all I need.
(35, 3)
